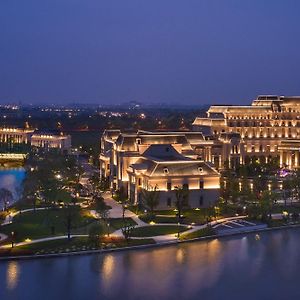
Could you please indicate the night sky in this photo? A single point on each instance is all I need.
(172, 51)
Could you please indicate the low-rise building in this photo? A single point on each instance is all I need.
(124, 155)
(51, 139)
(161, 167)
(15, 135)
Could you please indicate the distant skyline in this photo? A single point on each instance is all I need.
(170, 51)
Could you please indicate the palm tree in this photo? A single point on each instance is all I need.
(5, 196)
(151, 199)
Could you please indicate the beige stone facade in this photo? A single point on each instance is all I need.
(15, 135)
(51, 140)
(263, 126)
(36, 138)
(143, 160)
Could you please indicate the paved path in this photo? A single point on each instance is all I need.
(116, 210)
(8, 219)
(60, 237)
(173, 236)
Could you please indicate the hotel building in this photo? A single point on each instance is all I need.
(269, 127)
(144, 160)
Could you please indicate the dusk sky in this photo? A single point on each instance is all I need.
(171, 51)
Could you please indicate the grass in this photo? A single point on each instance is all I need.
(117, 223)
(290, 209)
(74, 245)
(155, 230)
(38, 224)
(169, 216)
(207, 231)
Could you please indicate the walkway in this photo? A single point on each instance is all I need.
(53, 238)
(8, 219)
(116, 210)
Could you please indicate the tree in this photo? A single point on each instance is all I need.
(120, 196)
(181, 194)
(103, 210)
(267, 201)
(5, 196)
(104, 183)
(69, 219)
(127, 230)
(229, 188)
(94, 181)
(95, 233)
(151, 199)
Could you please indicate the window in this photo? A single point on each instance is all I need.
(200, 169)
(138, 141)
(201, 200)
(169, 186)
(140, 181)
(166, 170)
(169, 202)
(201, 184)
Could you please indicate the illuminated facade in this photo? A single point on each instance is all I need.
(51, 139)
(269, 127)
(15, 135)
(143, 160)
(36, 138)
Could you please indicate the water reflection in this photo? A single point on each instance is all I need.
(206, 270)
(12, 274)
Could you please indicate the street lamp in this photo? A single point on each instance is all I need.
(108, 224)
(12, 238)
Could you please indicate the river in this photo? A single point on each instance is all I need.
(241, 267)
(11, 179)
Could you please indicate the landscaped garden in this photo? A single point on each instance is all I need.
(155, 230)
(76, 244)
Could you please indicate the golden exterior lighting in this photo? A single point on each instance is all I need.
(12, 274)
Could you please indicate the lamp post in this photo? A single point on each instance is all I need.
(12, 238)
(108, 225)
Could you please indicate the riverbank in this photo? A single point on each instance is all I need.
(147, 246)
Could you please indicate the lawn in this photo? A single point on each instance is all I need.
(40, 224)
(169, 216)
(75, 244)
(155, 230)
(43, 223)
(208, 231)
(118, 223)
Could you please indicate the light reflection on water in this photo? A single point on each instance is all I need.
(12, 274)
(239, 267)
